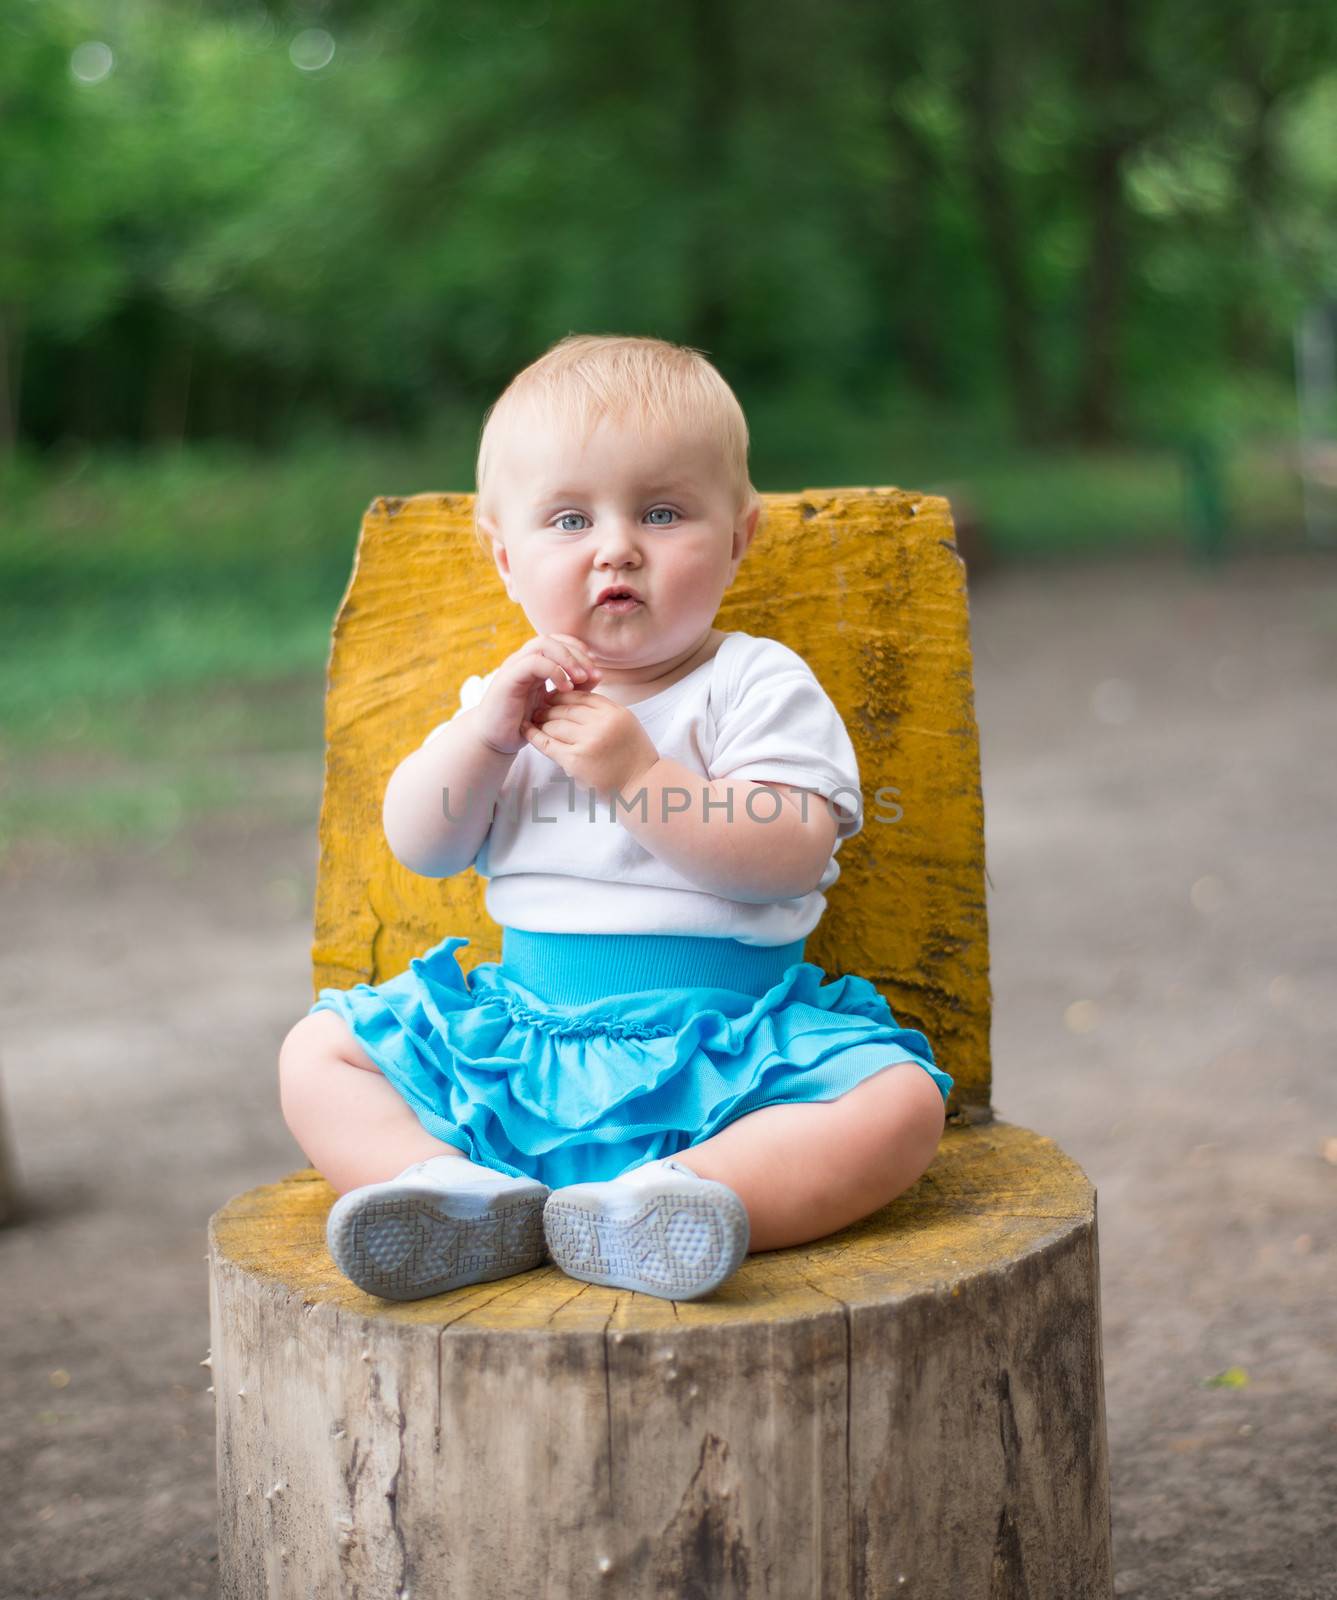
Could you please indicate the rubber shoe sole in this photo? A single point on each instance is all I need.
(405, 1240)
(678, 1239)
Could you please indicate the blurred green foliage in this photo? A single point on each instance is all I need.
(259, 264)
(1100, 217)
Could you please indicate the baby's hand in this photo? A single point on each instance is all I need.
(595, 741)
(517, 687)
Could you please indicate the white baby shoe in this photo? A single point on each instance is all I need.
(659, 1229)
(441, 1223)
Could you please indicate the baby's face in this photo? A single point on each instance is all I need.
(656, 515)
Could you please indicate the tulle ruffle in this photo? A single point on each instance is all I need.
(581, 1093)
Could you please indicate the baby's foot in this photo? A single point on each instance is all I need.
(659, 1229)
(441, 1223)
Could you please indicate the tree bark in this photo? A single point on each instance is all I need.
(915, 1406)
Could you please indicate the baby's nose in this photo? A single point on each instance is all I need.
(619, 531)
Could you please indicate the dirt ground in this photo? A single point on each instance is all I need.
(1160, 775)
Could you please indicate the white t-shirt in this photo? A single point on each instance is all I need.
(558, 861)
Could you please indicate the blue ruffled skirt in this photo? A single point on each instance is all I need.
(579, 1056)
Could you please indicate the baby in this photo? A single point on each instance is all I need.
(652, 1080)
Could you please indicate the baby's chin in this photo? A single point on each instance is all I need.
(627, 661)
(631, 659)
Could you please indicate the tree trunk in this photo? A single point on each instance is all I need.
(11, 380)
(913, 1407)
(1003, 232)
(168, 402)
(1109, 75)
(907, 295)
(716, 76)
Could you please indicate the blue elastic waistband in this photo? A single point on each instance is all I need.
(572, 969)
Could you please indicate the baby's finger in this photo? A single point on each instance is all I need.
(543, 667)
(564, 718)
(547, 648)
(541, 737)
(579, 651)
(573, 669)
(575, 642)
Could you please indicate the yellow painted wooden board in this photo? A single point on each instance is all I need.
(867, 586)
(992, 1195)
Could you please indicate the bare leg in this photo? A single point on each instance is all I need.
(804, 1171)
(354, 1126)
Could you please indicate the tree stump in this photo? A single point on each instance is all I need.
(912, 1407)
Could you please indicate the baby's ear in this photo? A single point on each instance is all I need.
(500, 555)
(486, 526)
(485, 530)
(745, 527)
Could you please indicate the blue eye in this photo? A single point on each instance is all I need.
(566, 516)
(667, 511)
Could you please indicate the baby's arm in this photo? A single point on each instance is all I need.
(774, 846)
(779, 748)
(469, 758)
(420, 834)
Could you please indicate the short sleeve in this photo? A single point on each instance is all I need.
(471, 692)
(780, 726)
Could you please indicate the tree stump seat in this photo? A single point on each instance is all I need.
(912, 1406)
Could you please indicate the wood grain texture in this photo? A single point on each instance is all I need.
(865, 584)
(911, 1406)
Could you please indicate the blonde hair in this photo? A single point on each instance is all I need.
(586, 377)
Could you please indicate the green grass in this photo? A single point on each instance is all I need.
(165, 619)
(143, 768)
(1035, 505)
